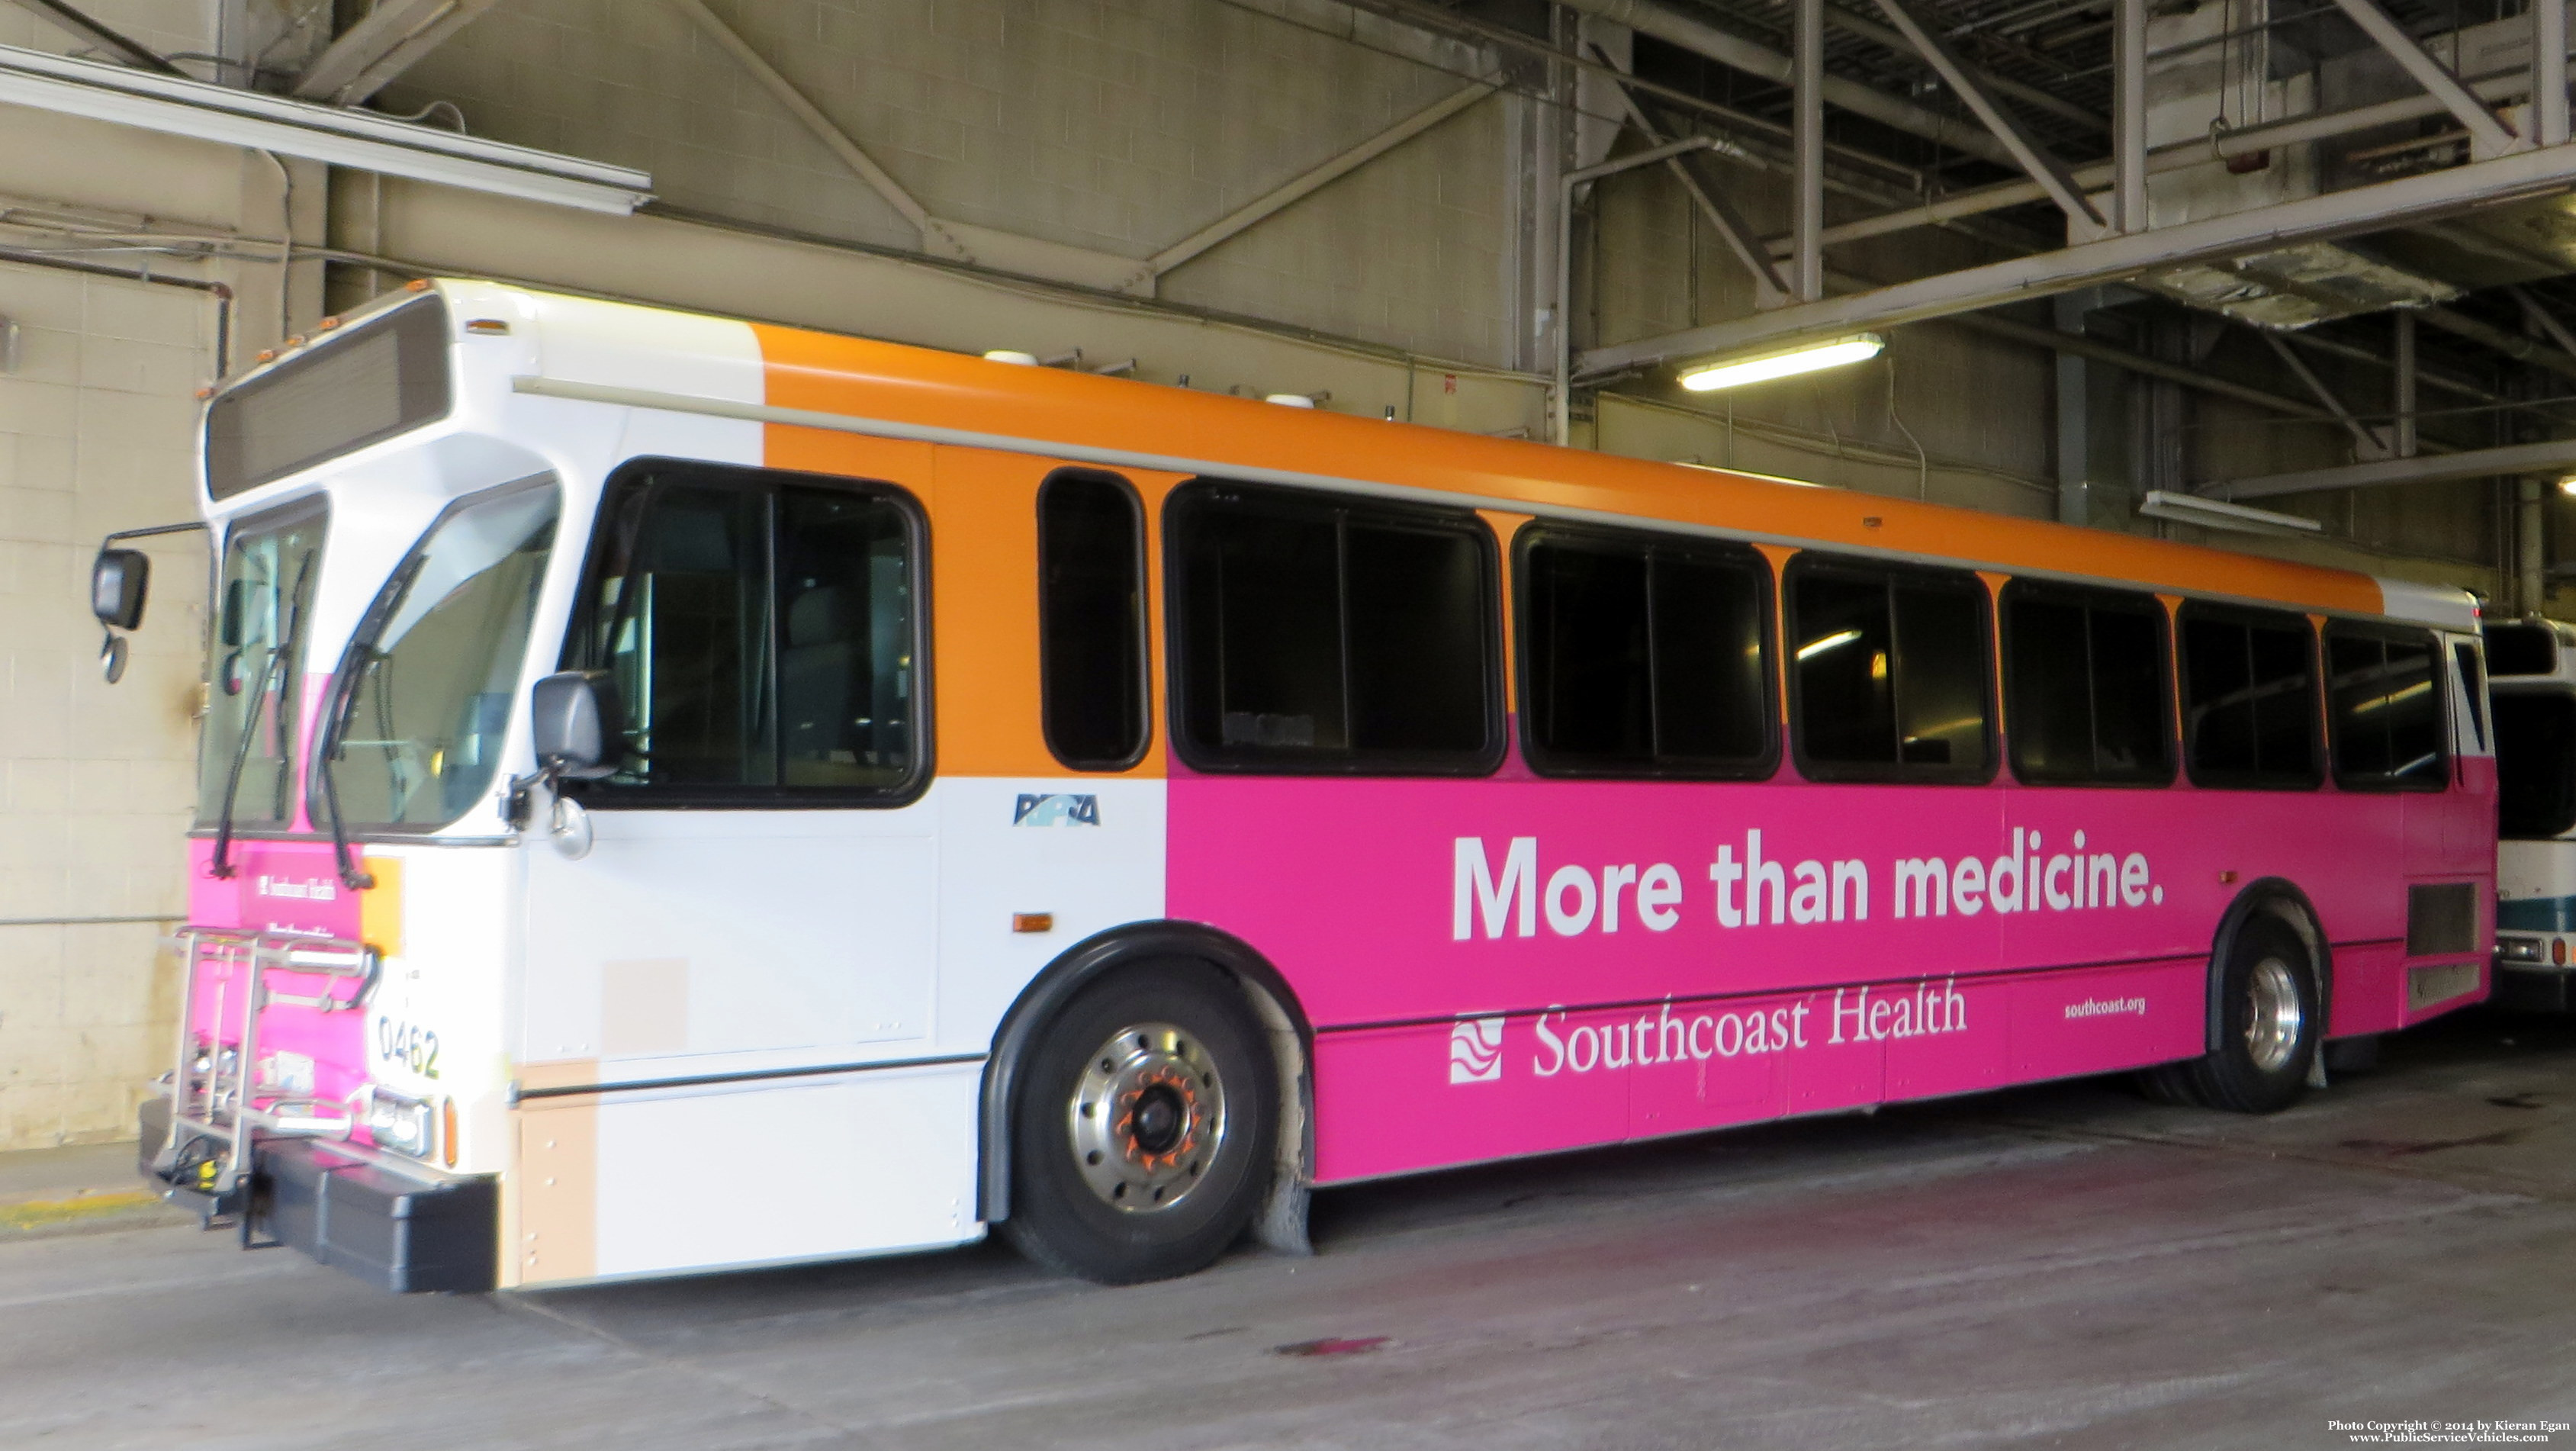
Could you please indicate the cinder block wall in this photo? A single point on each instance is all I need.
(1121, 126)
(96, 783)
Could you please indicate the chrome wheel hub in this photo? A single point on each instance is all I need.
(1147, 1118)
(2274, 1016)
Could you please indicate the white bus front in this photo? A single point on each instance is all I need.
(2531, 666)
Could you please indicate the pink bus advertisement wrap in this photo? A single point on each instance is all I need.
(1533, 966)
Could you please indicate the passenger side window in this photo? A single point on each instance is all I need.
(2249, 700)
(2085, 680)
(762, 631)
(1642, 657)
(1317, 634)
(1889, 675)
(2386, 720)
(1091, 621)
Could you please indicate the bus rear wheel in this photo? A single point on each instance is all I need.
(2270, 1026)
(1141, 1138)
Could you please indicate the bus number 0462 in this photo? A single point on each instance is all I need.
(408, 1044)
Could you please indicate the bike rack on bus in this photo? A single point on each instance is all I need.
(221, 1105)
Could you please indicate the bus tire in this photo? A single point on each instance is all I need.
(1141, 1135)
(2271, 1025)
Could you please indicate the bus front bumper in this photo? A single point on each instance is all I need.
(2534, 986)
(396, 1231)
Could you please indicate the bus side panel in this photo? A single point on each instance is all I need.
(2369, 989)
(1508, 943)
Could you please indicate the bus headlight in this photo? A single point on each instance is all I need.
(400, 1124)
(2520, 949)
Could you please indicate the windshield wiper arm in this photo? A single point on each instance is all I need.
(277, 665)
(354, 662)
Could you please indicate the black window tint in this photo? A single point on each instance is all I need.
(2087, 683)
(1845, 674)
(762, 633)
(2535, 746)
(2387, 709)
(1941, 690)
(845, 678)
(1891, 672)
(689, 613)
(2529, 649)
(1642, 657)
(2050, 706)
(2132, 704)
(1414, 612)
(1091, 621)
(1584, 639)
(2249, 699)
(1321, 636)
(1712, 658)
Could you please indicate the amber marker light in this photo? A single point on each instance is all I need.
(1033, 921)
(447, 1131)
(1710, 376)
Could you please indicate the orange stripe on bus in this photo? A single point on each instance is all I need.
(948, 390)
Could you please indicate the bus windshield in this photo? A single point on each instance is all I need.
(424, 692)
(272, 563)
(2535, 749)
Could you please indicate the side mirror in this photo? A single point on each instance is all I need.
(575, 718)
(118, 581)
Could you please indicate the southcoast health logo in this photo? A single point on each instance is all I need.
(1476, 1050)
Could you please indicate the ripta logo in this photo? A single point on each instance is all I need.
(1059, 809)
(1476, 1050)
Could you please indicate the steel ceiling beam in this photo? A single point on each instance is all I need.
(1807, 156)
(1728, 49)
(2116, 258)
(134, 52)
(2002, 85)
(2487, 135)
(2545, 320)
(2556, 455)
(2129, 115)
(393, 37)
(1769, 287)
(2035, 160)
(2549, 70)
(2174, 156)
(1313, 179)
(2370, 444)
(2512, 345)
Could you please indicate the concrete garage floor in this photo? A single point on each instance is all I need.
(2060, 1266)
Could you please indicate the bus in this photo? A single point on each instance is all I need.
(682, 794)
(2531, 667)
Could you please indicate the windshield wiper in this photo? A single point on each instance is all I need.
(277, 666)
(354, 663)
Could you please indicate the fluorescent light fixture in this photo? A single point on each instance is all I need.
(362, 140)
(2219, 514)
(1709, 377)
(1813, 648)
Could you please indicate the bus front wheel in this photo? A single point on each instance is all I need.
(1141, 1139)
(2270, 1026)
